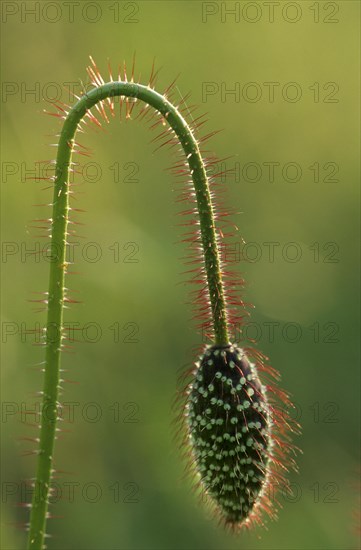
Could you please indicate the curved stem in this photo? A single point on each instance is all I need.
(58, 267)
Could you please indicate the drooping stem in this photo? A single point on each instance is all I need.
(58, 267)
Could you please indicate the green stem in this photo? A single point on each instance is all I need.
(58, 267)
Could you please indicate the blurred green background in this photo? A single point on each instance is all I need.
(119, 455)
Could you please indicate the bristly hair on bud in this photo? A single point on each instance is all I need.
(236, 432)
(233, 421)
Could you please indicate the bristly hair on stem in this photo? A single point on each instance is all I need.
(232, 426)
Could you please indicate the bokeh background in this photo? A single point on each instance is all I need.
(123, 487)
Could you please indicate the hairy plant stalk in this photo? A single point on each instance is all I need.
(58, 266)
